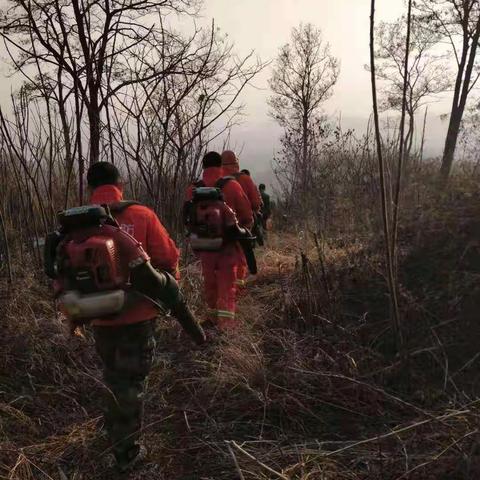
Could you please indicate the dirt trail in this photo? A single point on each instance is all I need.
(211, 396)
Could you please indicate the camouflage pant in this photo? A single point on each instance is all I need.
(127, 355)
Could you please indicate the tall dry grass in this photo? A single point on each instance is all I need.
(310, 387)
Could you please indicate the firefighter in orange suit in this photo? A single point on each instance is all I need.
(219, 268)
(231, 167)
(126, 342)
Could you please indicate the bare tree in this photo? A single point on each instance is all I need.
(425, 77)
(458, 21)
(303, 78)
(386, 213)
(91, 44)
(171, 122)
(159, 102)
(402, 150)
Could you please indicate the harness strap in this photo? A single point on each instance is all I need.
(119, 207)
(221, 182)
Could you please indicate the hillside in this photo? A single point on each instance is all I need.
(310, 388)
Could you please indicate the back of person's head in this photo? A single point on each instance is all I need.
(103, 173)
(212, 159)
(245, 171)
(229, 158)
(261, 186)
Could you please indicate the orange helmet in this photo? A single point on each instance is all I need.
(229, 158)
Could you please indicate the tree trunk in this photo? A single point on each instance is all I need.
(66, 138)
(403, 153)
(94, 121)
(78, 140)
(462, 89)
(451, 142)
(410, 137)
(392, 285)
(422, 147)
(304, 174)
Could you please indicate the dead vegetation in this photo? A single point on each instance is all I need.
(317, 384)
(310, 388)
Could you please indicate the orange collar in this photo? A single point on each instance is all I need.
(211, 175)
(106, 194)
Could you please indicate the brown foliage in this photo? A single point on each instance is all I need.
(308, 388)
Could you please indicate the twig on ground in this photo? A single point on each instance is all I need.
(436, 457)
(395, 432)
(266, 467)
(235, 461)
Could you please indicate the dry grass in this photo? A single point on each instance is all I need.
(308, 389)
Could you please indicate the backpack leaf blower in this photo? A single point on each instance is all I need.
(100, 270)
(211, 223)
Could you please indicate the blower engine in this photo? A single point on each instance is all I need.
(209, 218)
(211, 223)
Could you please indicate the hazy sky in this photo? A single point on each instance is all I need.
(265, 25)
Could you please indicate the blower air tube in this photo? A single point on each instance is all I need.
(163, 290)
(248, 251)
(258, 230)
(247, 243)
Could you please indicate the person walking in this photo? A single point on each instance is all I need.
(126, 343)
(220, 266)
(231, 166)
(266, 209)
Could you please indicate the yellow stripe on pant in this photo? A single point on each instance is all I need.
(226, 320)
(225, 314)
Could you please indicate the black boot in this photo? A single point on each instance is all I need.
(129, 459)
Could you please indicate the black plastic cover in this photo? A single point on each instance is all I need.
(85, 216)
(52, 241)
(201, 194)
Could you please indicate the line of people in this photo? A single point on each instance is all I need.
(225, 269)
(220, 211)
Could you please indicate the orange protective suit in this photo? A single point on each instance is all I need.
(231, 167)
(219, 268)
(144, 225)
